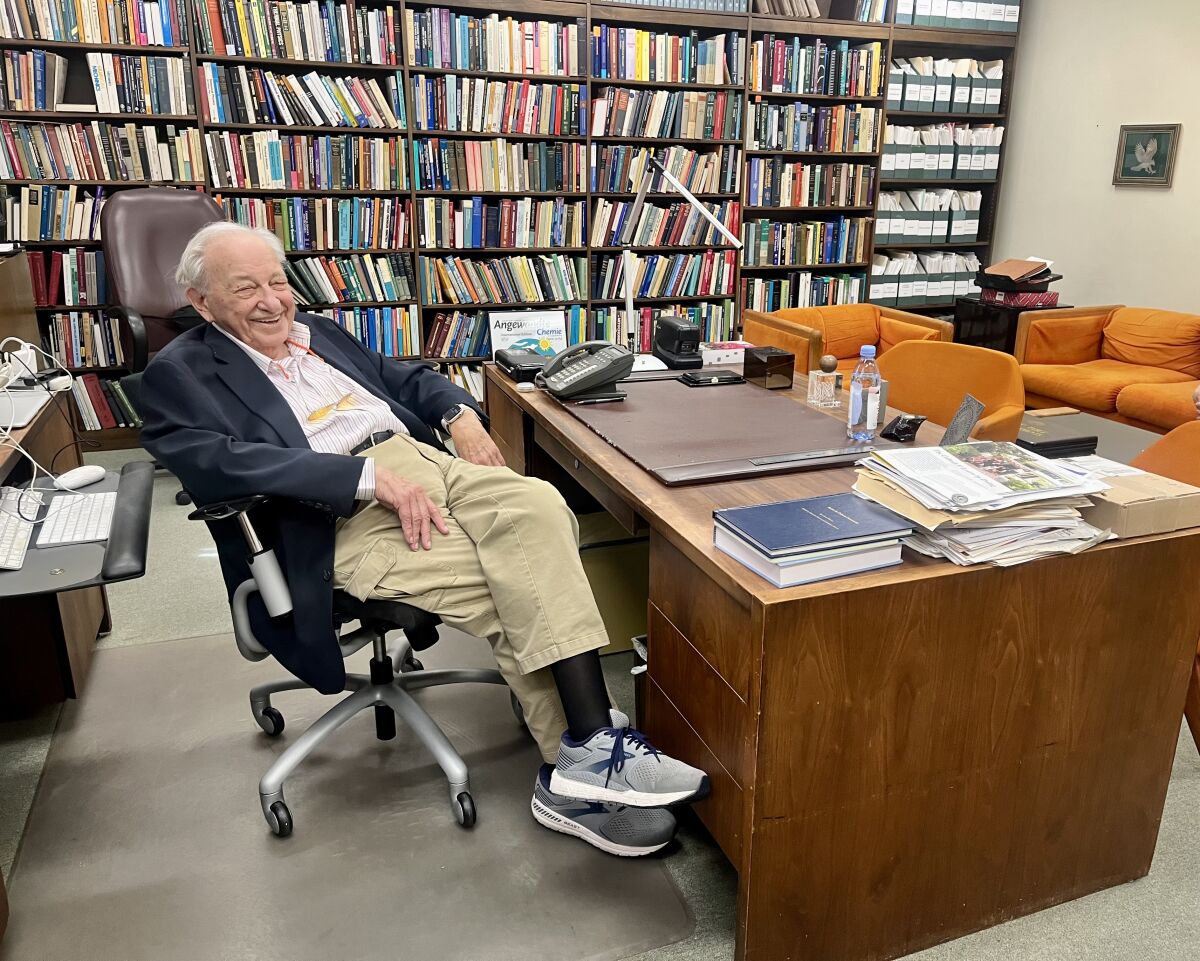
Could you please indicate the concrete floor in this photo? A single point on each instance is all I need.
(1155, 919)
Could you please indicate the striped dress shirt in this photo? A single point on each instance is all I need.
(335, 413)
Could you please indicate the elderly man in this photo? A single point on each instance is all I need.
(260, 400)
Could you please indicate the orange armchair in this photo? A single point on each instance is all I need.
(810, 332)
(930, 378)
(1178, 456)
(1135, 365)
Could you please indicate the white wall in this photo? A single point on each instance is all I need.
(1084, 68)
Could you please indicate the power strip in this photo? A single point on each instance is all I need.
(7, 374)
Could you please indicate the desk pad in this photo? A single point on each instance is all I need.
(689, 435)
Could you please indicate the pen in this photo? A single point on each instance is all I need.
(598, 400)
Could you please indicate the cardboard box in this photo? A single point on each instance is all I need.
(723, 354)
(1142, 503)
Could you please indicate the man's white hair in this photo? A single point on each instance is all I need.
(191, 271)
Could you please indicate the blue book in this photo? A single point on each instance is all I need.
(789, 528)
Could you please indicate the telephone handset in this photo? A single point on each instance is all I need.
(587, 371)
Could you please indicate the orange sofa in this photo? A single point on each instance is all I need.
(810, 332)
(1136, 365)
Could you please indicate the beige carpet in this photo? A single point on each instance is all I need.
(145, 842)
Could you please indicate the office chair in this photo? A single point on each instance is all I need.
(394, 673)
(145, 231)
(1177, 456)
(930, 377)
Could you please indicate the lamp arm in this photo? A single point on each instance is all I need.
(687, 195)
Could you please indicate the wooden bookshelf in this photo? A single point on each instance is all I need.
(896, 41)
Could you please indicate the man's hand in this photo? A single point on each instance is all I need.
(411, 504)
(473, 443)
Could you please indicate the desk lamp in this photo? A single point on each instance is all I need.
(674, 355)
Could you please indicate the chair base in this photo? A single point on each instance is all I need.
(387, 692)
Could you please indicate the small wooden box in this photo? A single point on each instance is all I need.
(769, 367)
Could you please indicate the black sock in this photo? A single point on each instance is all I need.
(580, 683)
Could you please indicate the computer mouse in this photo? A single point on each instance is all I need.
(79, 477)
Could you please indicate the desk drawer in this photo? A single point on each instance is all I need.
(625, 515)
(723, 811)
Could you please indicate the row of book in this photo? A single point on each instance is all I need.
(326, 223)
(32, 80)
(667, 275)
(238, 94)
(516, 223)
(141, 22)
(495, 165)
(627, 53)
(676, 114)
(617, 168)
(715, 320)
(459, 334)
(74, 277)
(802, 288)
(392, 331)
(467, 376)
(99, 151)
(80, 339)
(774, 182)
(354, 278)
(291, 30)
(802, 127)
(126, 83)
(269, 160)
(841, 240)
(446, 40)
(678, 224)
(36, 212)
(512, 280)
(103, 404)
(835, 69)
(498, 106)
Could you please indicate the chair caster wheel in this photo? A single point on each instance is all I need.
(280, 819)
(271, 721)
(464, 810)
(411, 664)
(518, 711)
(182, 498)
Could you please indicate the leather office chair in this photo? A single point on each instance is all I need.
(1177, 456)
(930, 378)
(144, 233)
(393, 673)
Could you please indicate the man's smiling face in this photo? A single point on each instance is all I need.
(247, 293)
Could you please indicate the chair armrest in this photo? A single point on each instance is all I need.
(1069, 336)
(125, 554)
(763, 330)
(945, 330)
(1001, 425)
(138, 350)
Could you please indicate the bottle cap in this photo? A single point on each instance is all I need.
(867, 350)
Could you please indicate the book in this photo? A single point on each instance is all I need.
(819, 566)
(1051, 438)
(790, 529)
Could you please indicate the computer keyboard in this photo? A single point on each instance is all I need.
(77, 519)
(15, 531)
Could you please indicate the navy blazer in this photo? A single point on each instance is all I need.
(218, 424)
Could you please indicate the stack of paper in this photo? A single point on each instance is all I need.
(983, 502)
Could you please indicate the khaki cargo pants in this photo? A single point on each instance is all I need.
(508, 571)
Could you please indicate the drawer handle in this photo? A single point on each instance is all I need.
(577, 464)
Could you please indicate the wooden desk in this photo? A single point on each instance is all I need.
(909, 755)
(46, 648)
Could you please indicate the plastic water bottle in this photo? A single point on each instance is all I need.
(864, 398)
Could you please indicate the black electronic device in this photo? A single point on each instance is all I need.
(587, 371)
(903, 428)
(677, 343)
(521, 365)
(711, 378)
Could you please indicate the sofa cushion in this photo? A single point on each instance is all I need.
(848, 328)
(1094, 385)
(1163, 405)
(1154, 338)
(893, 331)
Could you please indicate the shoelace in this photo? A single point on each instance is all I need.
(616, 760)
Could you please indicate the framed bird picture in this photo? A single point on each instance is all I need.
(1146, 155)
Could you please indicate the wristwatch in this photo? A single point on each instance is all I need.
(453, 414)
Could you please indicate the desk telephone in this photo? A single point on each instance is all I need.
(587, 371)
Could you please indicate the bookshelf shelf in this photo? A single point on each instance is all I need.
(113, 438)
(542, 8)
(309, 192)
(806, 210)
(347, 251)
(817, 97)
(942, 115)
(347, 304)
(459, 360)
(280, 63)
(670, 197)
(75, 307)
(56, 116)
(105, 183)
(817, 154)
(497, 305)
(940, 245)
(503, 193)
(495, 135)
(931, 36)
(619, 13)
(664, 248)
(856, 265)
(497, 75)
(888, 182)
(663, 141)
(61, 45)
(680, 299)
(850, 29)
(492, 251)
(284, 128)
(119, 369)
(60, 243)
(664, 84)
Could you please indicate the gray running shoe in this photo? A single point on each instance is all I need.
(617, 764)
(616, 828)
